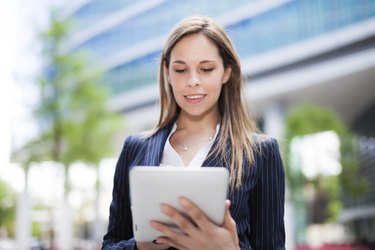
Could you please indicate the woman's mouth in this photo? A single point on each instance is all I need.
(195, 98)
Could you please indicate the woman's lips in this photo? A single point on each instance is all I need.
(195, 98)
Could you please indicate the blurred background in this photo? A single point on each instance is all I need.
(78, 76)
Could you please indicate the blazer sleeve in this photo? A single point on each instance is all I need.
(120, 232)
(267, 230)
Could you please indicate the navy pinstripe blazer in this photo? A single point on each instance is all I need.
(257, 206)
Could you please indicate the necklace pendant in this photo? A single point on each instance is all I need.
(185, 147)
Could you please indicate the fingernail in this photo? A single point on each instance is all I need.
(153, 225)
(183, 201)
(156, 241)
(160, 241)
(164, 208)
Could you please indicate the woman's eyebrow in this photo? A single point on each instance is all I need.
(207, 61)
(204, 61)
(179, 62)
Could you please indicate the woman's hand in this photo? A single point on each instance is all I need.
(199, 234)
(151, 246)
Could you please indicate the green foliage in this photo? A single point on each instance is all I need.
(36, 229)
(7, 206)
(75, 123)
(307, 119)
(352, 184)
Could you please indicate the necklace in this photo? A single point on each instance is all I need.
(185, 147)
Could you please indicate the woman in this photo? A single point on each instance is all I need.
(204, 122)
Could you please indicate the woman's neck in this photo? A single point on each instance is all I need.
(192, 134)
(197, 125)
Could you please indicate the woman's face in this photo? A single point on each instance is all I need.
(196, 74)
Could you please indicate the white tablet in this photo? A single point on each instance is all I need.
(152, 186)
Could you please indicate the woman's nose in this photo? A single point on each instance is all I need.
(194, 80)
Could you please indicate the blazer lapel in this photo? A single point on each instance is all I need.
(216, 160)
(155, 147)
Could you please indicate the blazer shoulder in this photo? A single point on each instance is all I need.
(265, 145)
(135, 140)
(264, 141)
(134, 144)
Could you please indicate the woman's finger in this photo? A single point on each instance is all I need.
(180, 220)
(151, 246)
(229, 222)
(174, 237)
(169, 242)
(195, 213)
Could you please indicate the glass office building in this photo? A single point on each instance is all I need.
(126, 36)
(291, 51)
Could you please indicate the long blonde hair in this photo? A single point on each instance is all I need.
(236, 126)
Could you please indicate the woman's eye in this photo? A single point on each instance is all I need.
(207, 69)
(180, 70)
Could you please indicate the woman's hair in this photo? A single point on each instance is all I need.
(236, 126)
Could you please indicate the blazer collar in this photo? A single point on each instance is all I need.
(155, 146)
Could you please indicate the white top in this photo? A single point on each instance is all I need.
(172, 158)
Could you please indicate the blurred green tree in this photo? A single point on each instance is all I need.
(75, 121)
(308, 119)
(74, 118)
(7, 207)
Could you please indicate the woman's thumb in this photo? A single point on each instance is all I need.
(229, 223)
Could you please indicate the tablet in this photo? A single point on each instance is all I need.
(152, 186)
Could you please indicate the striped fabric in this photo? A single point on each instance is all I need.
(257, 206)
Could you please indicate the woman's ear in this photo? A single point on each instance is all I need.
(227, 74)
